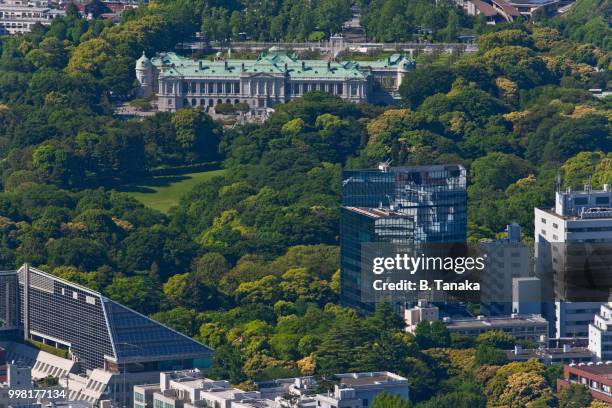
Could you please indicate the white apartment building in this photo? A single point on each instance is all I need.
(600, 333)
(20, 16)
(579, 217)
(190, 389)
(358, 390)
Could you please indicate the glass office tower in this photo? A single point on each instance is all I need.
(94, 330)
(400, 205)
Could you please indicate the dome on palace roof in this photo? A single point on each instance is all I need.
(143, 62)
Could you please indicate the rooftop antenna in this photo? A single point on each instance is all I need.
(558, 184)
(384, 166)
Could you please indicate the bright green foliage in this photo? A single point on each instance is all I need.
(247, 261)
(290, 20)
(586, 23)
(498, 339)
(137, 292)
(574, 396)
(432, 334)
(196, 131)
(487, 355)
(386, 400)
(503, 38)
(399, 20)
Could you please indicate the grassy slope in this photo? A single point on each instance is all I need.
(163, 192)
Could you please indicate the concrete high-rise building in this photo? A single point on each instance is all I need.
(567, 238)
(507, 258)
(526, 295)
(397, 205)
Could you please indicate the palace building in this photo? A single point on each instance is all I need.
(274, 77)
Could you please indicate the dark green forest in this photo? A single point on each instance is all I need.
(248, 262)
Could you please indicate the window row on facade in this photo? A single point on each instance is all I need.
(23, 16)
(260, 88)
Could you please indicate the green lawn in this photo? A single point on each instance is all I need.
(163, 192)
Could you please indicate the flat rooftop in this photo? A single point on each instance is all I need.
(574, 352)
(255, 403)
(588, 215)
(361, 379)
(492, 322)
(234, 393)
(602, 370)
(148, 386)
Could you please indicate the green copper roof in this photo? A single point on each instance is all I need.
(275, 62)
(393, 61)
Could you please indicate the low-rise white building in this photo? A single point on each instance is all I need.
(20, 16)
(190, 389)
(423, 311)
(358, 390)
(547, 355)
(528, 327)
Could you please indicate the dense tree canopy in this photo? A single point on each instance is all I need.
(248, 261)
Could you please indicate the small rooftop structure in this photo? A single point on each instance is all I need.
(584, 204)
(565, 354)
(533, 327)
